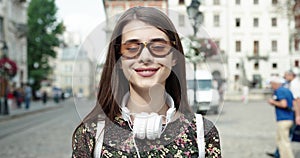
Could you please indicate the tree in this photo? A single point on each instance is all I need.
(42, 38)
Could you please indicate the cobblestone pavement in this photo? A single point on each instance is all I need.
(42, 135)
(246, 130)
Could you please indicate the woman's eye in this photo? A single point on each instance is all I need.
(158, 47)
(132, 49)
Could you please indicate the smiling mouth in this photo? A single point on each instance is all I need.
(146, 72)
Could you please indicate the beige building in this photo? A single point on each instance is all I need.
(13, 19)
(73, 68)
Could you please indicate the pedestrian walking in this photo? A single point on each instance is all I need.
(142, 109)
(293, 84)
(282, 100)
(10, 97)
(28, 95)
(18, 97)
(45, 97)
(245, 94)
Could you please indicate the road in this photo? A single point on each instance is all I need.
(42, 135)
(246, 130)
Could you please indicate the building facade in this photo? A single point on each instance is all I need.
(295, 58)
(253, 37)
(13, 19)
(73, 68)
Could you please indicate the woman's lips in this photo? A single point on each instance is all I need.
(146, 72)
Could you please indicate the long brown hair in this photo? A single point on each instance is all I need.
(111, 89)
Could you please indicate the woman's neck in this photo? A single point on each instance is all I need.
(148, 100)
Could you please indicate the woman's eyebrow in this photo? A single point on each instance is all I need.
(137, 40)
(157, 39)
(132, 41)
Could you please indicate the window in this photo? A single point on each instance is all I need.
(216, 2)
(297, 42)
(181, 1)
(256, 66)
(255, 22)
(255, 1)
(255, 48)
(274, 46)
(274, 65)
(68, 68)
(216, 20)
(237, 65)
(274, 1)
(237, 2)
(236, 77)
(237, 22)
(181, 20)
(238, 46)
(274, 22)
(296, 63)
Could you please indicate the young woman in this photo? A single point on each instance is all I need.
(142, 103)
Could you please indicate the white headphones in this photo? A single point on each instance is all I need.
(145, 124)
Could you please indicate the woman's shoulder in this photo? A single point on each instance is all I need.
(209, 126)
(89, 127)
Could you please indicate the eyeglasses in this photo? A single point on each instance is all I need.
(157, 48)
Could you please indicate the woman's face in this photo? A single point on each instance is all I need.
(143, 68)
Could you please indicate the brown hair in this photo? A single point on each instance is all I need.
(111, 89)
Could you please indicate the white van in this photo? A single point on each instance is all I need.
(207, 96)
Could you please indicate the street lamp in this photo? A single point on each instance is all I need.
(4, 49)
(195, 16)
(194, 54)
(3, 86)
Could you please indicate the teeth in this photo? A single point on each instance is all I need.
(146, 70)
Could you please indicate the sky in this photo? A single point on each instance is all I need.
(85, 17)
(81, 15)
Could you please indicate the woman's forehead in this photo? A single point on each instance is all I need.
(139, 30)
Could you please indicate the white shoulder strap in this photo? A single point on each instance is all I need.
(99, 139)
(200, 135)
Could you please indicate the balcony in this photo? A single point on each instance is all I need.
(258, 57)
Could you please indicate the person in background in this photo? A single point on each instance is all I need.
(28, 95)
(294, 86)
(282, 100)
(18, 97)
(10, 97)
(45, 97)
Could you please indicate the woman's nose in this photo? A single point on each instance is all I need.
(145, 56)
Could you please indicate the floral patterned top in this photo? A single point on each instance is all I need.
(179, 139)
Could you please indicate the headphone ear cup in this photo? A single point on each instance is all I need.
(139, 126)
(154, 126)
(170, 113)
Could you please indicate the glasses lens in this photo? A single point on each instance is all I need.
(160, 48)
(157, 48)
(130, 49)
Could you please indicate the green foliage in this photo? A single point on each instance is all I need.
(42, 38)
